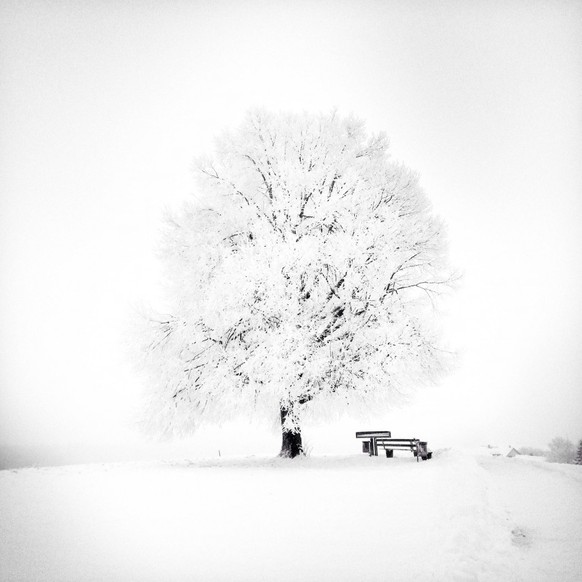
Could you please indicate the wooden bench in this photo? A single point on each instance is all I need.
(382, 439)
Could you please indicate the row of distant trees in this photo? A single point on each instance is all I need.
(560, 450)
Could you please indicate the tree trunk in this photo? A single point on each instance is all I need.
(291, 445)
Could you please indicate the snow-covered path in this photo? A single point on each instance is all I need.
(543, 502)
(314, 519)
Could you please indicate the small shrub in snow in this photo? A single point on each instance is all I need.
(561, 451)
(578, 459)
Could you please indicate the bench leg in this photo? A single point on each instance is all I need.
(389, 453)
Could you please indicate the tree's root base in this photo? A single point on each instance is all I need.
(290, 455)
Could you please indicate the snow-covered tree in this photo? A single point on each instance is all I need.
(561, 451)
(302, 278)
(578, 459)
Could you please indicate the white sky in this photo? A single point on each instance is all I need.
(104, 105)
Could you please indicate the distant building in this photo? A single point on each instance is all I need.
(508, 451)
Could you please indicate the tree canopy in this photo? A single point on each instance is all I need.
(302, 276)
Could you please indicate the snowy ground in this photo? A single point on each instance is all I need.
(458, 517)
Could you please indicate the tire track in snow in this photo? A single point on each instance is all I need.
(476, 537)
(543, 504)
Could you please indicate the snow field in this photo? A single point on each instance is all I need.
(328, 518)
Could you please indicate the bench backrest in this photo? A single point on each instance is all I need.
(373, 433)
